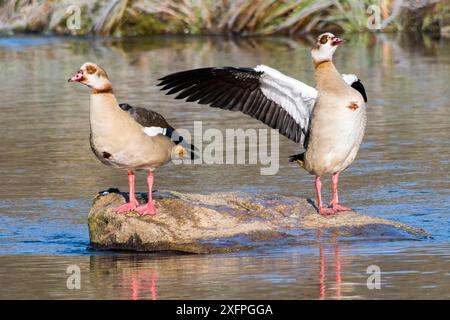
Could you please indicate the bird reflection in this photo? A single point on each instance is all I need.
(323, 266)
(337, 267)
(138, 277)
(142, 284)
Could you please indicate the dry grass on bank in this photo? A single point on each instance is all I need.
(245, 17)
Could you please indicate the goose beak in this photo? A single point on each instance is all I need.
(337, 41)
(77, 77)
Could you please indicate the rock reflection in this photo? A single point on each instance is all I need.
(149, 276)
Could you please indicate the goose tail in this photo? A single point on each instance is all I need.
(299, 158)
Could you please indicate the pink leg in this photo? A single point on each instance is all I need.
(132, 204)
(335, 202)
(322, 210)
(149, 208)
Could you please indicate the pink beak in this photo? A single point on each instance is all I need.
(337, 41)
(77, 77)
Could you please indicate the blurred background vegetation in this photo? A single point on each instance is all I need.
(243, 17)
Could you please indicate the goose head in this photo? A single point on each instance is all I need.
(325, 47)
(93, 76)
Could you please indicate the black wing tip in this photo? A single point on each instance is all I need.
(176, 75)
(170, 80)
(193, 152)
(297, 157)
(358, 86)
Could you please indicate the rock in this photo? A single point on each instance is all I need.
(225, 222)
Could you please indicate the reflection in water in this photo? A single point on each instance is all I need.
(143, 284)
(323, 267)
(140, 276)
(337, 270)
(133, 279)
(326, 270)
(48, 173)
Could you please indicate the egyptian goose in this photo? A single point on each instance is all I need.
(328, 121)
(126, 137)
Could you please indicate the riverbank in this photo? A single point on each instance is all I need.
(250, 17)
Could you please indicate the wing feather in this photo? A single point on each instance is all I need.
(145, 117)
(263, 93)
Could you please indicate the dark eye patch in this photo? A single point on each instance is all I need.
(90, 69)
(323, 39)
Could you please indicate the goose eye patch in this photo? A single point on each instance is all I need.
(90, 69)
(324, 39)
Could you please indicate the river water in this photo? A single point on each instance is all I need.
(48, 174)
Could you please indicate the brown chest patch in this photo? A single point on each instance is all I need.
(353, 105)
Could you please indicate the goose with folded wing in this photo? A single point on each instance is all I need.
(329, 120)
(126, 137)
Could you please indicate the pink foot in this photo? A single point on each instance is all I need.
(338, 207)
(327, 211)
(147, 209)
(127, 207)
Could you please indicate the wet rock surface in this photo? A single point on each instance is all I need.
(226, 222)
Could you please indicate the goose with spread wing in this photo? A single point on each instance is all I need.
(126, 137)
(329, 120)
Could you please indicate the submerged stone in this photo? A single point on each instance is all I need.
(225, 222)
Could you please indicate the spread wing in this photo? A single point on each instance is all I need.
(263, 93)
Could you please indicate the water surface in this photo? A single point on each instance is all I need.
(48, 174)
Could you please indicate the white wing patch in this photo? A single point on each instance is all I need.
(349, 78)
(154, 131)
(292, 95)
